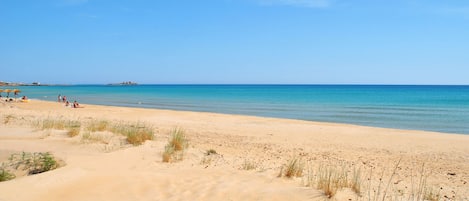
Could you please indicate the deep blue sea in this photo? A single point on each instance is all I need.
(431, 108)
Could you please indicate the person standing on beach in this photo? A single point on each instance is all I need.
(59, 98)
(64, 98)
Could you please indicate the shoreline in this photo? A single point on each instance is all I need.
(264, 117)
(268, 143)
(429, 108)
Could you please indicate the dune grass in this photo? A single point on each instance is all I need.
(136, 134)
(177, 143)
(248, 165)
(99, 125)
(211, 152)
(178, 139)
(8, 118)
(294, 168)
(5, 175)
(34, 163)
(332, 178)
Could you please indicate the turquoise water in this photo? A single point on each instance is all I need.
(431, 108)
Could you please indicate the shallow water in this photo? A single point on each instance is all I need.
(431, 108)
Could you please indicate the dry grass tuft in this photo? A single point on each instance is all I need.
(95, 126)
(174, 150)
(330, 179)
(178, 139)
(211, 152)
(168, 154)
(73, 128)
(8, 118)
(248, 165)
(294, 168)
(136, 134)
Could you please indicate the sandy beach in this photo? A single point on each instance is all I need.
(251, 151)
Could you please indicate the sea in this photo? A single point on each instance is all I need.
(414, 107)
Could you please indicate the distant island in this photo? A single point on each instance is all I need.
(19, 84)
(125, 83)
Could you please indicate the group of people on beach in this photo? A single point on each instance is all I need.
(63, 99)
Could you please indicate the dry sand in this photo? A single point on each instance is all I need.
(109, 169)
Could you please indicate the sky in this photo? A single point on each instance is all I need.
(235, 41)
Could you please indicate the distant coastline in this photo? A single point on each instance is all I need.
(124, 83)
(21, 84)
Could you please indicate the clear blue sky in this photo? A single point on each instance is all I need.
(235, 41)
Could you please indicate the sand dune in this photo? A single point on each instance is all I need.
(100, 171)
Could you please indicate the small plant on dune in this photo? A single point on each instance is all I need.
(73, 128)
(34, 163)
(430, 195)
(174, 150)
(168, 153)
(59, 124)
(7, 119)
(178, 139)
(50, 123)
(248, 165)
(101, 125)
(211, 152)
(5, 175)
(136, 134)
(294, 168)
(330, 179)
(42, 162)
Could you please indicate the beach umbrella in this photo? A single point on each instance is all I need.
(16, 91)
(7, 91)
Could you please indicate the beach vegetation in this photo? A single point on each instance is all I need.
(33, 163)
(5, 175)
(177, 143)
(8, 118)
(332, 178)
(211, 152)
(168, 153)
(73, 128)
(294, 168)
(59, 124)
(100, 125)
(136, 134)
(178, 139)
(248, 165)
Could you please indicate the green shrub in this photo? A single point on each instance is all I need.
(5, 175)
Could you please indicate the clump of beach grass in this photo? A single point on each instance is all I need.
(136, 134)
(168, 153)
(330, 179)
(248, 165)
(56, 123)
(211, 152)
(8, 118)
(73, 128)
(34, 163)
(177, 143)
(5, 175)
(178, 139)
(294, 168)
(100, 125)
